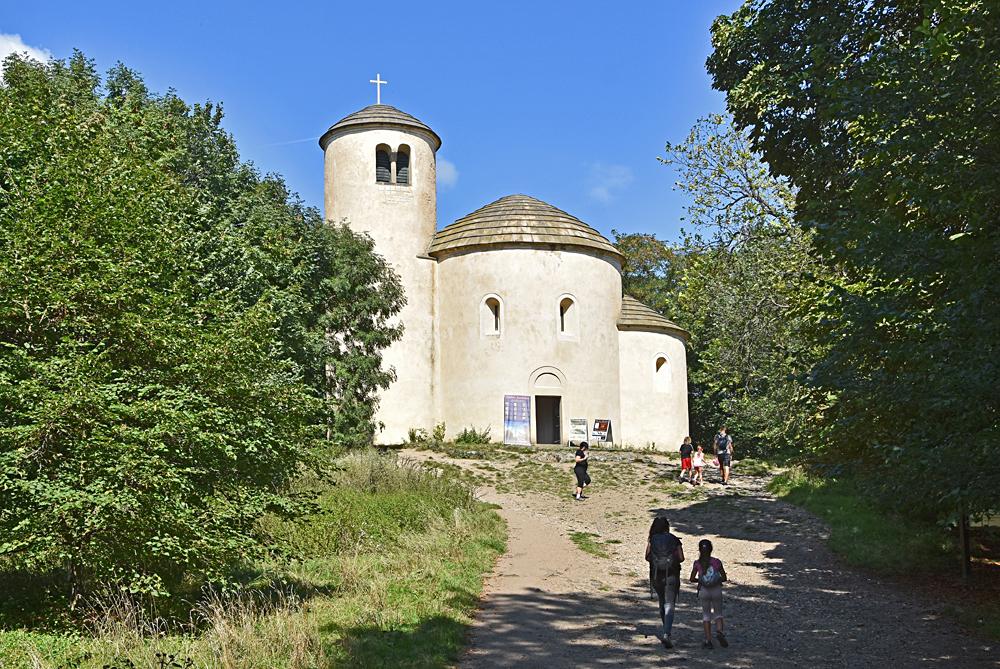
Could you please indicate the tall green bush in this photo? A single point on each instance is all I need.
(177, 334)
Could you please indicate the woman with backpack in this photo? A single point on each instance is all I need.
(709, 574)
(665, 555)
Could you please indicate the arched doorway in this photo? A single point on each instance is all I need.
(546, 386)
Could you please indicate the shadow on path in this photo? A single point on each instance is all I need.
(801, 608)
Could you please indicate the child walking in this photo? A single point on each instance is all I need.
(709, 574)
(698, 463)
(686, 450)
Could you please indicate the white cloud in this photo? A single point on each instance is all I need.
(14, 44)
(607, 181)
(447, 173)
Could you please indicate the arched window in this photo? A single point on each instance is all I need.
(383, 164)
(661, 374)
(490, 316)
(403, 165)
(568, 318)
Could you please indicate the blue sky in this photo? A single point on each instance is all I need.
(568, 102)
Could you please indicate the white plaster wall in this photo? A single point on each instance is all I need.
(652, 413)
(401, 220)
(476, 371)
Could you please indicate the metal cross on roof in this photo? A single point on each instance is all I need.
(378, 87)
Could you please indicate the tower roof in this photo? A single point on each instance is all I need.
(380, 116)
(519, 220)
(637, 316)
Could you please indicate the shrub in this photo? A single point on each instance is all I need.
(437, 436)
(418, 436)
(470, 435)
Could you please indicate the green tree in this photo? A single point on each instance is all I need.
(651, 269)
(883, 117)
(747, 273)
(177, 334)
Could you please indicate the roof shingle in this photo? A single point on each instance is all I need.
(379, 115)
(519, 219)
(637, 316)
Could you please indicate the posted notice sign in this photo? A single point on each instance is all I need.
(602, 429)
(517, 420)
(577, 430)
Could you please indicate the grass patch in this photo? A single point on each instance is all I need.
(612, 475)
(752, 467)
(386, 572)
(860, 531)
(539, 477)
(467, 475)
(470, 449)
(589, 542)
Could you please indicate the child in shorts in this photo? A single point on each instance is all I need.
(709, 573)
(686, 450)
(698, 464)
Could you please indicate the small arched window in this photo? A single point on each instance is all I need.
(661, 375)
(490, 316)
(403, 165)
(383, 164)
(568, 318)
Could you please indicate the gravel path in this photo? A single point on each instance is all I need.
(790, 602)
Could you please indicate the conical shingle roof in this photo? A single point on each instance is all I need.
(519, 219)
(637, 316)
(374, 116)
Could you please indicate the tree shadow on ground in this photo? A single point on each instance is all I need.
(434, 643)
(805, 610)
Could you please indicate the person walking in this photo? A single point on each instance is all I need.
(709, 573)
(686, 450)
(724, 452)
(582, 458)
(665, 555)
(697, 465)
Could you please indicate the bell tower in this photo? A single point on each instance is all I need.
(380, 177)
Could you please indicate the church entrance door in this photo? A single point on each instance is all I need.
(547, 419)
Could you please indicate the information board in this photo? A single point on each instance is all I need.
(577, 430)
(517, 420)
(602, 430)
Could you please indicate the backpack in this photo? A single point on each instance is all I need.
(721, 443)
(709, 577)
(662, 552)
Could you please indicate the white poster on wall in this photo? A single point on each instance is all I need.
(577, 430)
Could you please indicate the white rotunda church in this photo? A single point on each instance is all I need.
(516, 299)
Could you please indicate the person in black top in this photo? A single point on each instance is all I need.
(662, 547)
(686, 450)
(580, 469)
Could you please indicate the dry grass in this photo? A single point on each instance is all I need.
(396, 587)
(247, 630)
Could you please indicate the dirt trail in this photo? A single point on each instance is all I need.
(790, 602)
